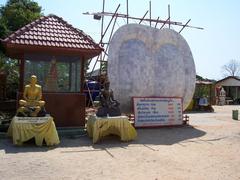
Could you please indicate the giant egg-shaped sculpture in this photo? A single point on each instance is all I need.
(144, 61)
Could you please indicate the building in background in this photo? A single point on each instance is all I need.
(231, 85)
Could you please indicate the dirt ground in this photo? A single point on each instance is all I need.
(207, 149)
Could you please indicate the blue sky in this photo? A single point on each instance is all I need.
(212, 47)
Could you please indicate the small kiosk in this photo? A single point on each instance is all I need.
(56, 53)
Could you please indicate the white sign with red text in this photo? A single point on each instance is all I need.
(157, 111)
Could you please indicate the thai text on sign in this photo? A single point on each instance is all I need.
(157, 111)
(37, 120)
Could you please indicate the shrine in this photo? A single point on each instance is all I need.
(56, 53)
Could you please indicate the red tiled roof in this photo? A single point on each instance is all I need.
(52, 31)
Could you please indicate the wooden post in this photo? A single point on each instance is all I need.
(70, 77)
(82, 74)
(236, 93)
(76, 78)
(21, 74)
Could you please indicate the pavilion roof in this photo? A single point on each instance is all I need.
(51, 33)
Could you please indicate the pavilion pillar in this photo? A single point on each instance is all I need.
(82, 74)
(211, 95)
(236, 92)
(21, 73)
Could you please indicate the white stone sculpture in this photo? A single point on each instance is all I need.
(222, 97)
(144, 61)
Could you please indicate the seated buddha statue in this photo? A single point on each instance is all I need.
(32, 102)
(109, 106)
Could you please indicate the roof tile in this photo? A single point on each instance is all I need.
(52, 31)
(31, 42)
(40, 43)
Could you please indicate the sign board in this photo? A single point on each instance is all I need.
(36, 120)
(157, 111)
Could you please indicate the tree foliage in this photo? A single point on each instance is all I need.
(9, 67)
(17, 13)
(14, 15)
(232, 68)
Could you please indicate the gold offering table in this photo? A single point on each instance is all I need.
(23, 129)
(98, 127)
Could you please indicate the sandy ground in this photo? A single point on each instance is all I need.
(207, 149)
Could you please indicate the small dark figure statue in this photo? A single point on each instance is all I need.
(109, 106)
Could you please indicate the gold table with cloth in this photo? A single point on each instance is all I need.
(24, 130)
(98, 127)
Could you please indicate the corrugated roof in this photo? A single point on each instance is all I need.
(229, 77)
(204, 82)
(52, 31)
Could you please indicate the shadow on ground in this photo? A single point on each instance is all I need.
(155, 136)
(168, 135)
(7, 145)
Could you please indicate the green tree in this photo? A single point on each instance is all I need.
(17, 13)
(14, 15)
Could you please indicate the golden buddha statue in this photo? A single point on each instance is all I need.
(31, 104)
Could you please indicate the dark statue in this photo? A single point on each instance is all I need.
(109, 106)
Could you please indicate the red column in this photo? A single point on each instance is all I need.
(82, 74)
(21, 74)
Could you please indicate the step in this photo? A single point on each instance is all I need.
(71, 131)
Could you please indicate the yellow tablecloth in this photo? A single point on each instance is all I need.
(21, 132)
(99, 127)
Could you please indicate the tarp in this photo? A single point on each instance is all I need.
(22, 132)
(98, 127)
